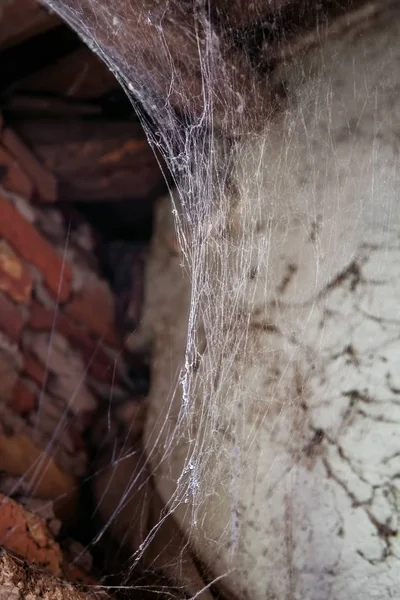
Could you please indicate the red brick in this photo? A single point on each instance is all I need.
(23, 400)
(40, 318)
(77, 438)
(35, 370)
(43, 180)
(99, 364)
(11, 319)
(93, 306)
(15, 279)
(26, 534)
(86, 419)
(12, 177)
(44, 320)
(34, 248)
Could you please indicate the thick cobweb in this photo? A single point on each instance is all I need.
(202, 83)
(196, 91)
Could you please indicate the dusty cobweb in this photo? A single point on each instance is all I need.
(202, 87)
(192, 97)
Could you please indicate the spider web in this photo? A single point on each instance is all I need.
(244, 334)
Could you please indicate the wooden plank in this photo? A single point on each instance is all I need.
(12, 177)
(43, 180)
(79, 75)
(48, 106)
(22, 19)
(95, 160)
(34, 53)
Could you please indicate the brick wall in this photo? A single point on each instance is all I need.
(60, 353)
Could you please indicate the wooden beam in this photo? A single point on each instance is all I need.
(95, 160)
(80, 75)
(23, 19)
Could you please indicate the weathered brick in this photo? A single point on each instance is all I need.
(98, 363)
(34, 369)
(41, 319)
(34, 248)
(43, 180)
(77, 438)
(9, 376)
(23, 399)
(93, 306)
(24, 207)
(26, 534)
(100, 366)
(15, 279)
(12, 176)
(11, 319)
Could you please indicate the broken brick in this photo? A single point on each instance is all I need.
(93, 306)
(35, 370)
(12, 177)
(26, 534)
(15, 279)
(11, 319)
(43, 180)
(23, 399)
(34, 248)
